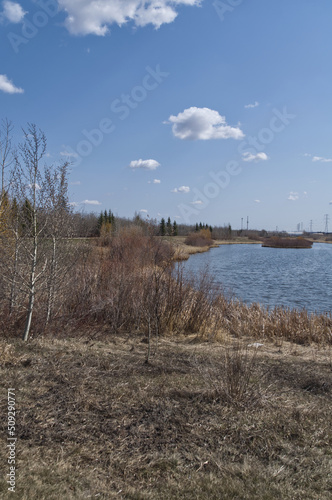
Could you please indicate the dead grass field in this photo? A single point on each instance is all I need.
(201, 421)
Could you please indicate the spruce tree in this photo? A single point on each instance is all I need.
(162, 227)
(175, 228)
(169, 227)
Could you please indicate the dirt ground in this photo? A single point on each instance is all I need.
(202, 420)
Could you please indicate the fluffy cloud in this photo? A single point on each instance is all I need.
(293, 196)
(249, 106)
(323, 160)
(95, 16)
(13, 12)
(318, 158)
(257, 157)
(70, 154)
(90, 202)
(257, 201)
(7, 86)
(203, 123)
(181, 189)
(156, 181)
(143, 211)
(144, 164)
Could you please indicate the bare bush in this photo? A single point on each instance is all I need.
(233, 378)
(200, 239)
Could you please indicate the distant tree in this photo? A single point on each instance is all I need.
(175, 228)
(162, 227)
(196, 227)
(169, 227)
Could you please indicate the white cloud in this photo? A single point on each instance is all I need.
(293, 196)
(73, 204)
(181, 189)
(95, 16)
(257, 157)
(250, 106)
(144, 164)
(7, 86)
(156, 181)
(13, 12)
(197, 202)
(144, 211)
(321, 159)
(257, 201)
(69, 153)
(90, 202)
(204, 124)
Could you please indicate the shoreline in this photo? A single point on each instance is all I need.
(183, 251)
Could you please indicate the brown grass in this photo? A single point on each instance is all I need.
(94, 421)
(278, 242)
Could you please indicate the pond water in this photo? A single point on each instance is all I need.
(295, 278)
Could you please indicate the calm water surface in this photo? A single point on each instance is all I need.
(295, 278)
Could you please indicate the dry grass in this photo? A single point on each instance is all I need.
(94, 421)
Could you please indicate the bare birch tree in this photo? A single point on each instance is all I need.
(29, 181)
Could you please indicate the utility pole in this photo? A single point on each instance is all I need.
(247, 222)
(326, 223)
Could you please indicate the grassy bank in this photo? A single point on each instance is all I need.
(183, 251)
(201, 421)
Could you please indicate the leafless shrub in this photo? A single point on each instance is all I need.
(200, 239)
(233, 378)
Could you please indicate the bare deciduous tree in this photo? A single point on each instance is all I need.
(30, 181)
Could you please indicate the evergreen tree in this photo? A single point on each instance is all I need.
(196, 227)
(162, 227)
(175, 228)
(169, 227)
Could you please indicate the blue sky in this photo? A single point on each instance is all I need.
(202, 111)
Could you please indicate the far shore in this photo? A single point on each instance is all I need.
(183, 251)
